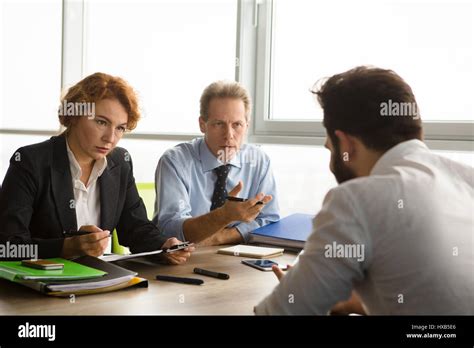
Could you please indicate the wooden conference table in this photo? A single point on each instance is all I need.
(238, 295)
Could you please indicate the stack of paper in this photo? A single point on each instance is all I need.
(83, 275)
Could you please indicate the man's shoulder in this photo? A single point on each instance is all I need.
(183, 153)
(370, 188)
(253, 148)
(253, 154)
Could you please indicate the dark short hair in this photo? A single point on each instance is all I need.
(352, 102)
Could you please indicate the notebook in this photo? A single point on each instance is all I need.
(290, 232)
(251, 251)
(116, 278)
(15, 271)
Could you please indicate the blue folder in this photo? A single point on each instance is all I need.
(290, 232)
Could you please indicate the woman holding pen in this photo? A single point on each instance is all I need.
(68, 193)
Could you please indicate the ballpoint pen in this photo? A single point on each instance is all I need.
(74, 233)
(237, 199)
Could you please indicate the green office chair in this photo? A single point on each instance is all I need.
(147, 194)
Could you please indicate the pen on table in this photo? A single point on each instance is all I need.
(192, 281)
(211, 273)
(237, 199)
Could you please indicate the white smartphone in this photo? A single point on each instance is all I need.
(263, 265)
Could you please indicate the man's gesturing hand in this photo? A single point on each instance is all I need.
(244, 211)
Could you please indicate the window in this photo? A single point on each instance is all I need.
(9, 143)
(301, 190)
(31, 64)
(429, 43)
(145, 155)
(169, 51)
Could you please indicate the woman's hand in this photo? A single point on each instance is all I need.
(94, 243)
(176, 257)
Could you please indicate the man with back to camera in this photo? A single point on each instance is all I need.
(194, 179)
(398, 229)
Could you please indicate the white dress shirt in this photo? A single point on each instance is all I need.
(87, 197)
(402, 238)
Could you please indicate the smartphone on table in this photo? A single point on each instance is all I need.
(263, 265)
(42, 264)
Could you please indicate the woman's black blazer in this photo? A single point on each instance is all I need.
(37, 200)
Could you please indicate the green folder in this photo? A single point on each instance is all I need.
(14, 271)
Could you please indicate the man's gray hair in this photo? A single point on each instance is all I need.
(224, 89)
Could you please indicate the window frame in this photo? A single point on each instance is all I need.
(253, 69)
(438, 134)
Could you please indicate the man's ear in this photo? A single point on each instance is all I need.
(346, 145)
(202, 125)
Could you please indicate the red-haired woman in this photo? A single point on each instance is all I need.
(80, 180)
